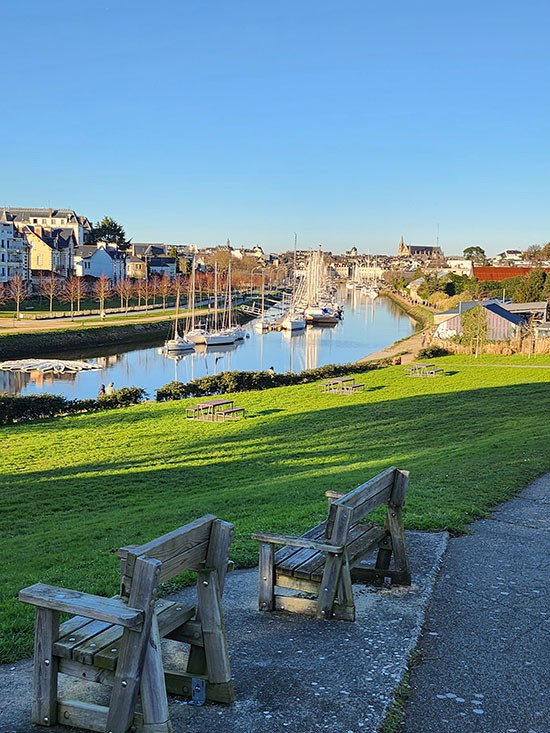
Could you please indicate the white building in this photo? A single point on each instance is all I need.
(92, 261)
(13, 253)
(48, 219)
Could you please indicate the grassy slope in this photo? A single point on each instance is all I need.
(74, 489)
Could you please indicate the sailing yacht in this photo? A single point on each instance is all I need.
(196, 334)
(224, 335)
(178, 343)
(295, 320)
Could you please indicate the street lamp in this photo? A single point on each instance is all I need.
(258, 267)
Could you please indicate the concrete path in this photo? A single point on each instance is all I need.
(485, 650)
(294, 673)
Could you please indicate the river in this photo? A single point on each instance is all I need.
(368, 326)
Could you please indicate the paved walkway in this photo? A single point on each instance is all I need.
(485, 649)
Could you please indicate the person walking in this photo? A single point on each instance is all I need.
(110, 388)
(101, 391)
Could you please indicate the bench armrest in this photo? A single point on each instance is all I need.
(280, 539)
(111, 610)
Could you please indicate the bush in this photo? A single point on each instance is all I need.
(430, 352)
(248, 381)
(15, 408)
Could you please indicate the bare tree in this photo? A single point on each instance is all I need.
(154, 285)
(73, 291)
(125, 289)
(51, 288)
(18, 291)
(165, 288)
(102, 290)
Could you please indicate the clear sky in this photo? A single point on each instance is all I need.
(350, 122)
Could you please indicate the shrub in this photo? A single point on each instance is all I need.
(247, 381)
(430, 352)
(15, 408)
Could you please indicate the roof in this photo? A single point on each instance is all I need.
(495, 274)
(14, 213)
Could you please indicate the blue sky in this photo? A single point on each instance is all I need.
(350, 122)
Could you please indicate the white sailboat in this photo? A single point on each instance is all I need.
(219, 336)
(178, 343)
(294, 320)
(196, 334)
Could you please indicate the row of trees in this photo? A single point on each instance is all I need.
(141, 292)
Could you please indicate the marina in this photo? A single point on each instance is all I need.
(367, 326)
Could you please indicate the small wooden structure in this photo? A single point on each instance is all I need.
(117, 641)
(341, 385)
(215, 411)
(423, 370)
(324, 561)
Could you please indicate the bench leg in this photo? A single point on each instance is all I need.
(267, 577)
(329, 585)
(154, 702)
(46, 666)
(213, 631)
(394, 523)
(133, 649)
(383, 559)
(345, 592)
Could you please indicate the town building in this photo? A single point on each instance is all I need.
(49, 220)
(14, 257)
(96, 261)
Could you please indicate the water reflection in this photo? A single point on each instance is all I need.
(368, 325)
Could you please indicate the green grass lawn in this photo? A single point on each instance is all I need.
(75, 489)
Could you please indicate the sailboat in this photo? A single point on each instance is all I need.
(196, 334)
(178, 343)
(220, 336)
(294, 320)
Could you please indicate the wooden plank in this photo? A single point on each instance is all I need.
(213, 627)
(369, 495)
(133, 647)
(300, 584)
(183, 548)
(153, 689)
(329, 585)
(267, 579)
(315, 533)
(86, 672)
(296, 605)
(86, 715)
(189, 633)
(306, 542)
(68, 646)
(112, 610)
(217, 556)
(45, 668)
(399, 487)
(395, 526)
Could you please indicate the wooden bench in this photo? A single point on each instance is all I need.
(324, 561)
(233, 413)
(117, 641)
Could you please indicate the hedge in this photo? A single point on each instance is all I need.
(248, 381)
(15, 408)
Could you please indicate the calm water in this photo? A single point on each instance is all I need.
(367, 327)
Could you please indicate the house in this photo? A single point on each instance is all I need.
(136, 267)
(162, 266)
(14, 255)
(93, 261)
(51, 251)
(501, 324)
(48, 220)
(460, 266)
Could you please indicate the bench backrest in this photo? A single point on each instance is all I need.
(388, 487)
(198, 545)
